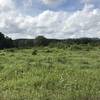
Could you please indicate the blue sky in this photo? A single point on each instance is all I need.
(38, 6)
(51, 18)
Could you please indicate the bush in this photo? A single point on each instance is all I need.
(34, 52)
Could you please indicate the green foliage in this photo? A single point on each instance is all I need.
(50, 73)
(5, 42)
(40, 41)
(34, 52)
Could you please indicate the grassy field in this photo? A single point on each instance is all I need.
(50, 74)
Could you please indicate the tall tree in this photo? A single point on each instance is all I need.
(5, 42)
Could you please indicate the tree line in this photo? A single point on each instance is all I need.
(6, 42)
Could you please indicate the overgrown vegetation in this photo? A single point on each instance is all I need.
(45, 73)
(50, 70)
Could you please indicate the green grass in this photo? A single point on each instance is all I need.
(50, 74)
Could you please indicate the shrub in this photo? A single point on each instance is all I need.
(34, 52)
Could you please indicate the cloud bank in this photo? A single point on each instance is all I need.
(59, 24)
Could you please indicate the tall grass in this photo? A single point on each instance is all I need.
(50, 74)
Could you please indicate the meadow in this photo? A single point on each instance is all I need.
(45, 73)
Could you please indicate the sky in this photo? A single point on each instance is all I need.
(59, 19)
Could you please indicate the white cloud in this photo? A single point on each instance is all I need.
(53, 2)
(6, 5)
(83, 23)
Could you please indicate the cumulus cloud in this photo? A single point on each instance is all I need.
(6, 5)
(53, 2)
(60, 24)
(83, 23)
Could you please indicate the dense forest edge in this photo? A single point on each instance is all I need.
(6, 42)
